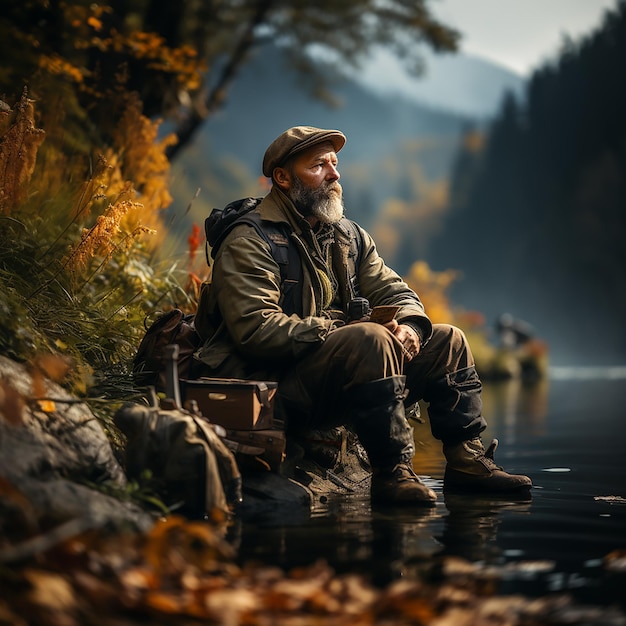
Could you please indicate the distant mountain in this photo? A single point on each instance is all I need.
(268, 97)
(459, 83)
(396, 145)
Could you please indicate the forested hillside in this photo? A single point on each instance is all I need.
(537, 218)
(393, 143)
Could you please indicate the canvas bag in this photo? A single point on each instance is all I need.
(192, 470)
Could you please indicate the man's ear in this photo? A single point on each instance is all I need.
(282, 178)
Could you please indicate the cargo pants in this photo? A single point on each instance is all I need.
(315, 393)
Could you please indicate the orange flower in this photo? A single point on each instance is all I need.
(194, 242)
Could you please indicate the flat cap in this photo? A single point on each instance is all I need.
(295, 140)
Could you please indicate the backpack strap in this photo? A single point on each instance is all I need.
(221, 221)
(286, 255)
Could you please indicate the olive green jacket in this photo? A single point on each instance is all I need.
(240, 318)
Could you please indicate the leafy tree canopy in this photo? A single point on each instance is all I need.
(181, 57)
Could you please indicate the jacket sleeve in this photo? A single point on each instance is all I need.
(246, 280)
(383, 286)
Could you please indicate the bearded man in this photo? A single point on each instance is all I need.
(332, 370)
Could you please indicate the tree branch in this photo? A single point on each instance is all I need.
(217, 94)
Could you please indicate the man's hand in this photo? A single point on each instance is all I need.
(408, 338)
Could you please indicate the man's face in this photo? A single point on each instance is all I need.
(312, 183)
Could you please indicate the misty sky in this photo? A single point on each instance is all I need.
(519, 34)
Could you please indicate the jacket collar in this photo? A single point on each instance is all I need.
(277, 207)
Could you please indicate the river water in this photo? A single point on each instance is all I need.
(567, 432)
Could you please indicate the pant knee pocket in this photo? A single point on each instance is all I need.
(458, 391)
(467, 387)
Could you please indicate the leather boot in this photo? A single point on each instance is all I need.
(381, 426)
(472, 468)
(400, 485)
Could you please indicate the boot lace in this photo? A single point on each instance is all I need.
(489, 452)
(404, 471)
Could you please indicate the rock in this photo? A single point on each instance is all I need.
(54, 462)
(320, 467)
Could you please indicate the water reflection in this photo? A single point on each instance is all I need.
(472, 524)
(512, 406)
(381, 544)
(573, 521)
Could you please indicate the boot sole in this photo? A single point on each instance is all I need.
(384, 502)
(469, 483)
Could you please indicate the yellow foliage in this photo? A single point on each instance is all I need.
(395, 209)
(94, 22)
(414, 221)
(474, 141)
(181, 62)
(95, 189)
(19, 144)
(105, 237)
(58, 66)
(432, 288)
(386, 237)
(139, 156)
(116, 228)
(134, 168)
(439, 196)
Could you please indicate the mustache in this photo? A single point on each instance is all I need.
(334, 186)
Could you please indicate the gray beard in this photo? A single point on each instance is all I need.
(324, 203)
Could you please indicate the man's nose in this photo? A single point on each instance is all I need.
(333, 172)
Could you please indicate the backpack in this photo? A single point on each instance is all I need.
(176, 327)
(182, 457)
(221, 221)
(172, 327)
